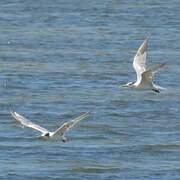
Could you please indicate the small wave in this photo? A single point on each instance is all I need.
(161, 147)
(95, 169)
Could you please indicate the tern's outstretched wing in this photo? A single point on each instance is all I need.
(139, 62)
(28, 123)
(148, 76)
(67, 125)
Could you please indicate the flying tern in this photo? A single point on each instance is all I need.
(145, 75)
(46, 133)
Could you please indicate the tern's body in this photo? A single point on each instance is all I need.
(46, 133)
(145, 75)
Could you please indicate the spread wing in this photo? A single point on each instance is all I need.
(148, 76)
(67, 125)
(139, 62)
(27, 123)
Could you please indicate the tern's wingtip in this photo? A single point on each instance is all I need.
(87, 113)
(11, 111)
(145, 40)
(165, 63)
(143, 47)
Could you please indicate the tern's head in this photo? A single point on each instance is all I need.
(129, 84)
(47, 134)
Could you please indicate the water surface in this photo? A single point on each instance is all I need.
(61, 58)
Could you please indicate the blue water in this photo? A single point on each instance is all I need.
(64, 57)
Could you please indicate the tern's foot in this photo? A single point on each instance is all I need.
(156, 90)
(64, 139)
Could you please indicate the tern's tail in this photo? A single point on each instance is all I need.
(158, 87)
